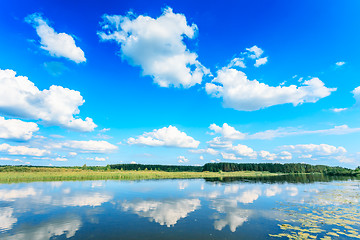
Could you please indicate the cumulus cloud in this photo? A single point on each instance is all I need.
(260, 61)
(19, 97)
(254, 52)
(229, 156)
(356, 93)
(57, 44)
(284, 155)
(321, 149)
(218, 142)
(73, 154)
(237, 62)
(267, 155)
(339, 64)
(244, 151)
(338, 109)
(182, 159)
(207, 150)
(242, 94)
(90, 146)
(22, 150)
(234, 152)
(227, 131)
(16, 129)
(99, 159)
(231, 133)
(156, 45)
(166, 136)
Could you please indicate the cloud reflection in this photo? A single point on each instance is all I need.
(44, 231)
(165, 212)
(6, 218)
(12, 195)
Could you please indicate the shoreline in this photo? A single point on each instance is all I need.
(62, 174)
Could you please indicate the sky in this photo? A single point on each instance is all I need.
(179, 82)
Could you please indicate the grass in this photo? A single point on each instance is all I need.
(67, 174)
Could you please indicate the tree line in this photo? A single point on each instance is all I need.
(210, 167)
(280, 168)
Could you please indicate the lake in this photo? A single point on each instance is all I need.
(301, 207)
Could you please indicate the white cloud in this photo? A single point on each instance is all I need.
(22, 150)
(16, 129)
(166, 136)
(19, 97)
(57, 44)
(227, 131)
(255, 52)
(261, 61)
(267, 155)
(339, 64)
(284, 132)
(104, 130)
(100, 159)
(208, 150)
(182, 159)
(229, 156)
(201, 157)
(165, 212)
(72, 154)
(285, 155)
(318, 150)
(218, 142)
(244, 151)
(242, 94)
(156, 45)
(237, 62)
(339, 109)
(344, 159)
(356, 93)
(60, 159)
(90, 146)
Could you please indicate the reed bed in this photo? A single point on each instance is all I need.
(64, 174)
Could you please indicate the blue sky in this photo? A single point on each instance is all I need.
(179, 82)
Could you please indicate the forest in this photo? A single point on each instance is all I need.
(234, 167)
(287, 168)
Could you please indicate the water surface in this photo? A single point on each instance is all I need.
(271, 208)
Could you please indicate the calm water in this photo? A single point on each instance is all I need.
(181, 209)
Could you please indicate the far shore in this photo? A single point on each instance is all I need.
(66, 174)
